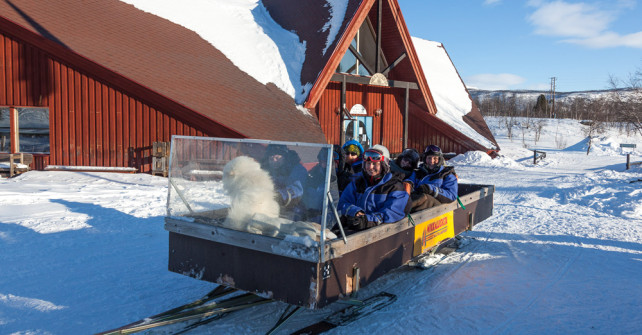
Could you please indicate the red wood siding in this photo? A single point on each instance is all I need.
(387, 129)
(92, 123)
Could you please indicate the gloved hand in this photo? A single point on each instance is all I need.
(285, 197)
(357, 222)
(427, 189)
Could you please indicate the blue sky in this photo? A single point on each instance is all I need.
(510, 44)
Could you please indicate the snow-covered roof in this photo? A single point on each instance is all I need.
(269, 53)
(447, 88)
(244, 31)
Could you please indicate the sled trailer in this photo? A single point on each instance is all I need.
(295, 257)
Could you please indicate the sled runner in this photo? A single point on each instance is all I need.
(294, 257)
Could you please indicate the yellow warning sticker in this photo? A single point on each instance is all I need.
(430, 233)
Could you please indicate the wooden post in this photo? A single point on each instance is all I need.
(405, 118)
(628, 158)
(628, 161)
(342, 108)
(378, 48)
(534, 157)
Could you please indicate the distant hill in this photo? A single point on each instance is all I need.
(529, 96)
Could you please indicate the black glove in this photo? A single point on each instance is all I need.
(426, 189)
(357, 222)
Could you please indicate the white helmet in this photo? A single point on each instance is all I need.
(383, 150)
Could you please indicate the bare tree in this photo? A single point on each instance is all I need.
(538, 126)
(627, 103)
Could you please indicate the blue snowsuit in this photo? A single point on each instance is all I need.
(353, 170)
(441, 184)
(288, 180)
(384, 202)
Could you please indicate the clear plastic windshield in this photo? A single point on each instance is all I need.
(276, 189)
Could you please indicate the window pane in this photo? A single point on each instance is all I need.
(348, 63)
(5, 131)
(368, 47)
(33, 129)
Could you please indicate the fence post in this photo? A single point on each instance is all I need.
(628, 161)
(534, 157)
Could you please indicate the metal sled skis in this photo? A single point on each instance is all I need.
(205, 309)
(357, 310)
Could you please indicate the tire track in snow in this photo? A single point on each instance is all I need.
(551, 281)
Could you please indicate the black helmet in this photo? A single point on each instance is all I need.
(411, 155)
(433, 151)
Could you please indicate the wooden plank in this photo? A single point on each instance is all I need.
(286, 279)
(118, 143)
(91, 119)
(3, 76)
(366, 81)
(260, 243)
(112, 127)
(99, 123)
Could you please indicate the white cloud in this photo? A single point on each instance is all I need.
(582, 23)
(610, 40)
(566, 19)
(491, 2)
(492, 81)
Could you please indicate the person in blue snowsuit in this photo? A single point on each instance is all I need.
(406, 163)
(375, 196)
(433, 182)
(289, 177)
(353, 156)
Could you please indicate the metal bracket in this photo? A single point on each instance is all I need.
(336, 214)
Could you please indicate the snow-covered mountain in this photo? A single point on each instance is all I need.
(530, 96)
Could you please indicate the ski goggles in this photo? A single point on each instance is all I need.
(432, 150)
(373, 156)
(352, 150)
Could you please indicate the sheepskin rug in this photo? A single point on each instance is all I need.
(253, 206)
(251, 191)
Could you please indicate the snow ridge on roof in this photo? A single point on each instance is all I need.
(337, 14)
(447, 88)
(244, 32)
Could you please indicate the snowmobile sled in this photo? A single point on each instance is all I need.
(279, 244)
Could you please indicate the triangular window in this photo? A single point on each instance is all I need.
(366, 46)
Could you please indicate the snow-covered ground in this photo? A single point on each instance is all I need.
(83, 252)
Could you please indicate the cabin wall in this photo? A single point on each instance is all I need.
(387, 128)
(422, 133)
(92, 123)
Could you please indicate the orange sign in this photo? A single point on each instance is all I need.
(430, 233)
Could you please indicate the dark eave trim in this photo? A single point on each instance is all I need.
(340, 77)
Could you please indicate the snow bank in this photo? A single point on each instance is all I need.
(480, 158)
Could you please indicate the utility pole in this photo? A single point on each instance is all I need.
(553, 96)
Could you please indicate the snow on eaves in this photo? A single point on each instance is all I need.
(337, 14)
(447, 88)
(244, 32)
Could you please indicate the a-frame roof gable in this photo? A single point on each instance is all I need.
(395, 40)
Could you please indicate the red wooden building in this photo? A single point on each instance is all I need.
(95, 83)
